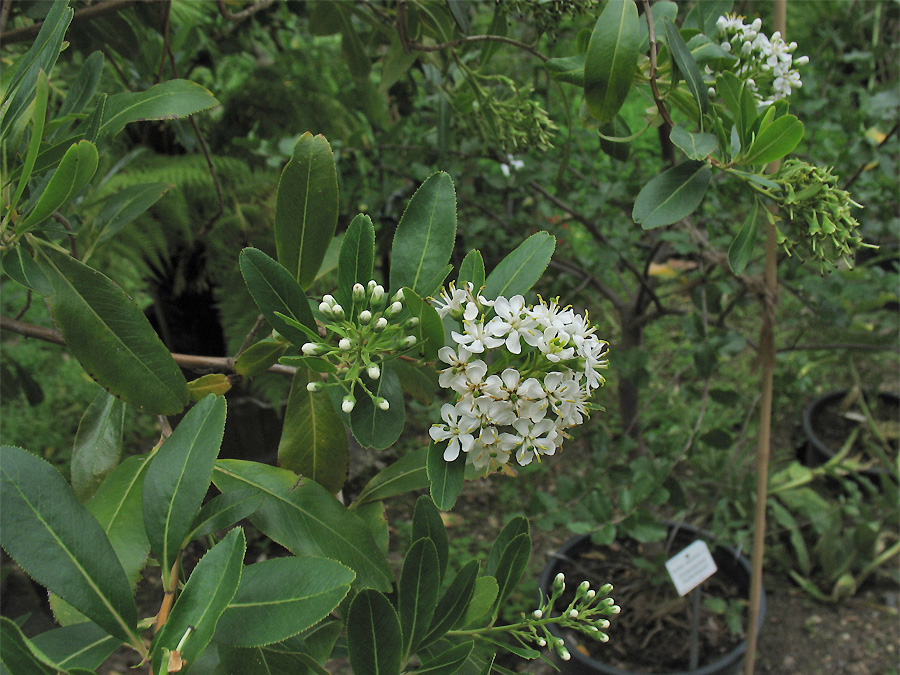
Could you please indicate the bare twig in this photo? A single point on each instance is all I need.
(657, 98)
(4, 13)
(862, 167)
(73, 241)
(86, 14)
(237, 17)
(260, 322)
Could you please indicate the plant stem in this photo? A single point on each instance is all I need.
(169, 597)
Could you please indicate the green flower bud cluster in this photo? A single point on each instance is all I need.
(547, 15)
(587, 614)
(358, 340)
(819, 221)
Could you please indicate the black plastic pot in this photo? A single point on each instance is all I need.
(819, 448)
(729, 561)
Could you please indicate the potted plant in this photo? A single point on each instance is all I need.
(654, 633)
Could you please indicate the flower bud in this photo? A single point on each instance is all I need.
(371, 284)
(615, 609)
(359, 292)
(601, 637)
(411, 322)
(564, 654)
(590, 594)
(337, 311)
(394, 309)
(347, 404)
(409, 341)
(365, 317)
(381, 324)
(373, 371)
(345, 345)
(314, 348)
(537, 614)
(377, 295)
(314, 387)
(542, 642)
(382, 403)
(398, 296)
(325, 308)
(605, 589)
(573, 613)
(328, 298)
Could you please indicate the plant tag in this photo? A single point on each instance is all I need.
(691, 567)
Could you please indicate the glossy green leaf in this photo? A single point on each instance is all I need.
(275, 291)
(356, 260)
(374, 516)
(98, 444)
(178, 478)
(425, 236)
(471, 269)
(39, 117)
(427, 524)
(118, 507)
(445, 478)
(126, 205)
(417, 597)
(281, 597)
(213, 384)
(516, 527)
(75, 171)
(740, 103)
(42, 55)
(568, 69)
(313, 440)
(223, 511)
(483, 598)
(288, 656)
(417, 379)
(776, 141)
(511, 566)
(703, 15)
(397, 63)
(306, 208)
(172, 99)
(306, 519)
(84, 86)
(22, 268)
(259, 357)
(447, 662)
(741, 249)
(371, 426)
(430, 330)
(521, 269)
(687, 67)
(209, 590)
(16, 655)
(84, 645)
(54, 538)
(611, 59)
(673, 195)
(451, 608)
(405, 475)
(695, 145)
(112, 339)
(374, 640)
(617, 128)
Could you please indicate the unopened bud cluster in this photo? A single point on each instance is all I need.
(587, 614)
(359, 339)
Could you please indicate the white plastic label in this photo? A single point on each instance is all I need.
(691, 567)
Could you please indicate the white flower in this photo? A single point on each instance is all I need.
(457, 428)
(475, 337)
(514, 322)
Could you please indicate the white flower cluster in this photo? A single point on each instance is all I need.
(761, 59)
(521, 377)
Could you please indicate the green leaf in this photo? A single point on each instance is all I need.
(306, 519)
(451, 608)
(427, 523)
(223, 511)
(687, 67)
(16, 655)
(22, 269)
(418, 380)
(447, 662)
(356, 260)
(618, 128)
(741, 249)
(281, 597)
(445, 478)
(313, 440)
(213, 384)
(374, 639)
(703, 15)
(697, 146)
(42, 55)
(275, 291)
(118, 507)
(776, 141)
(75, 171)
(672, 196)
(54, 538)
(514, 528)
(209, 590)
(511, 566)
(371, 426)
(661, 10)
(405, 475)
(483, 598)
(521, 269)
(424, 238)
(373, 515)
(98, 444)
(568, 69)
(306, 208)
(37, 133)
(430, 330)
(168, 100)
(259, 357)
(420, 580)
(82, 89)
(471, 269)
(396, 64)
(178, 478)
(611, 59)
(288, 656)
(84, 645)
(126, 205)
(112, 339)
